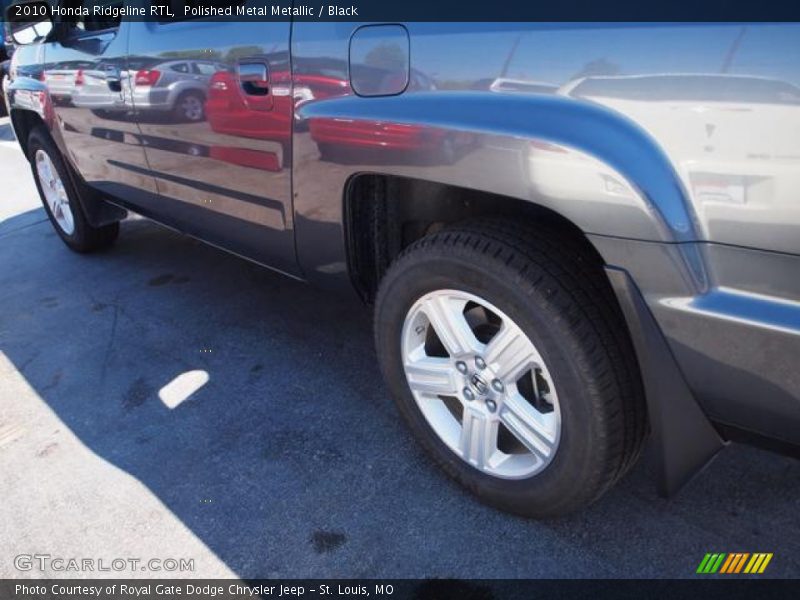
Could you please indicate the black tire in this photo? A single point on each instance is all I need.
(180, 113)
(557, 293)
(85, 237)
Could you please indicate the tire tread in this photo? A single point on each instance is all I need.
(574, 282)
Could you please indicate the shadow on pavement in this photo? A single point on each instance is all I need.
(20, 221)
(6, 132)
(292, 461)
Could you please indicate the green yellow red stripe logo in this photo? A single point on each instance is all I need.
(731, 563)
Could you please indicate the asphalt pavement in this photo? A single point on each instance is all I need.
(167, 400)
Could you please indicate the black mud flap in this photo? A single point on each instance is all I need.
(98, 211)
(684, 438)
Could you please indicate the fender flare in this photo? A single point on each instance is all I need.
(586, 127)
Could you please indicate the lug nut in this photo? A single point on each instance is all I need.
(497, 385)
(480, 363)
(490, 404)
(461, 366)
(468, 394)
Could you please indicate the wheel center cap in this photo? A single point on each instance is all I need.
(478, 384)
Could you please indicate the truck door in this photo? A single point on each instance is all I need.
(214, 107)
(84, 75)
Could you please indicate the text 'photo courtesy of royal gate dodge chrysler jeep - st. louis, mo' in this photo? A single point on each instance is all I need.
(574, 237)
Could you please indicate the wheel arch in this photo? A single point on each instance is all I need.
(29, 105)
(179, 92)
(383, 214)
(23, 122)
(385, 209)
(98, 211)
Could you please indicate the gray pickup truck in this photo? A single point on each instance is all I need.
(573, 236)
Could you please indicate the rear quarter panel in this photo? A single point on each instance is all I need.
(699, 159)
(734, 149)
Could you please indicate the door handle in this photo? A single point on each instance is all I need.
(254, 78)
(113, 78)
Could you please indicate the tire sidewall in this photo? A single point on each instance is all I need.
(543, 323)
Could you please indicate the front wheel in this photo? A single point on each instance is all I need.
(512, 366)
(60, 198)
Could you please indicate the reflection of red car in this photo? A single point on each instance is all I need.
(333, 133)
(318, 87)
(264, 117)
(245, 157)
(330, 133)
(229, 111)
(351, 132)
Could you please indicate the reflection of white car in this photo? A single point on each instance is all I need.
(94, 92)
(522, 86)
(64, 80)
(733, 138)
(560, 173)
(177, 86)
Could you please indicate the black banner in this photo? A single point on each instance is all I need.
(440, 10)
(395, 589)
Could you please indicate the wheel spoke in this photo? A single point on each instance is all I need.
(510, 353)
(63, 201)
(432, 375)
(478, 438)
(447, 318)
(66, 213)
(528, 425)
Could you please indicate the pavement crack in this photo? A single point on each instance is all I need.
(110, 344)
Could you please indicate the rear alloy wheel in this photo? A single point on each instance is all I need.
(509, 359)
(481, 384)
